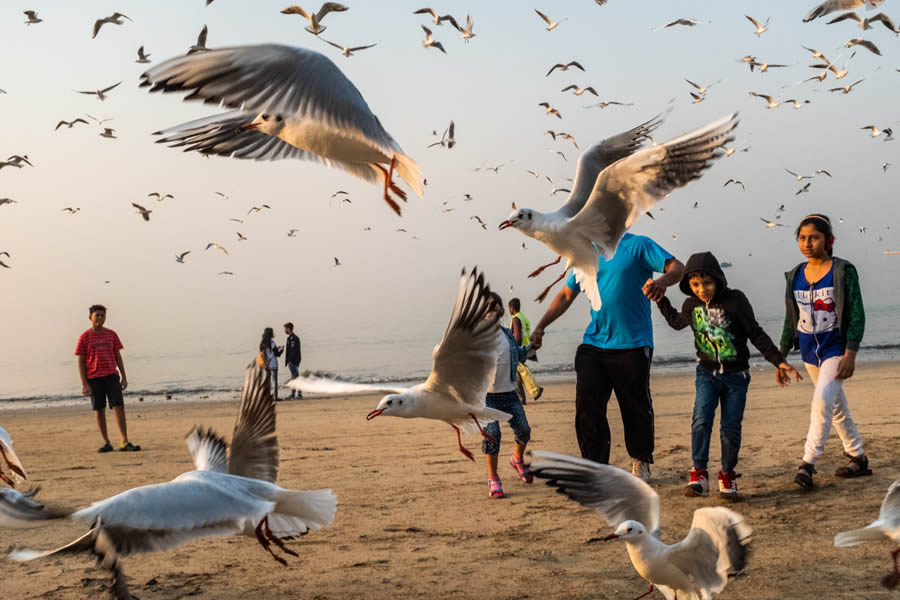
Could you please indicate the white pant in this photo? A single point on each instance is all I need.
(829, 405)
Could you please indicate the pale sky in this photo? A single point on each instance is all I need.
(391, 285)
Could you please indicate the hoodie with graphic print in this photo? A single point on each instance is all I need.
(721, 328)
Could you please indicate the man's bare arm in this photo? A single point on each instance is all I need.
(557, 308)
(121, 364)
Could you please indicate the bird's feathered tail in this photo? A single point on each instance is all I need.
(858, 536)
(299, 512)
(486, 416)
(409, 171)
(587, 281)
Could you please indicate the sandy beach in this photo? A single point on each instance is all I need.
(414, 518)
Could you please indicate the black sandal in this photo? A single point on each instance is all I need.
(803, 478)
(857, 467)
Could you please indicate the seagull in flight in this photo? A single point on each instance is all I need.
(579, 91)
(865, 44)
(430, 42)
(160, 197)
(212, 245)
(463, 368)
(70, 124)
(804, 189)
(309, 110)
(315, 26)
(479, 221)
(142, 211)
(887, 526)
(760, 29)
(602, 105)
(447, 140)
(438, 19)
(702, 89)
(11, 201)
(32, 17)
(764, 67)
(225, 495)
(798, 104)
(200, 46)
(866, 23)
(467, 32)
(292, 232)
(847, 88)
(337, 262)
(142, 58)
(70, 210)
(772, 102)
(771, 224)
(736, 182)
(348, 51)
(549, 110)
(99, 122)
(241, 237)
(108, 132)
(115, 19)
(830, 6)
(101, 94)
(696, 567)
(179, 258)
(887, 131)
(684, 22)
(615, 182)
(551, 24)
(565, 67)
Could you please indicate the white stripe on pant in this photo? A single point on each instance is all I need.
(829, 406)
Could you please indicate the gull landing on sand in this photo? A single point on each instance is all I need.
(886, 526)
(616, 181)
(463, 366)
(224, 496)
(696, 567)
(8, 456)
(309, 111)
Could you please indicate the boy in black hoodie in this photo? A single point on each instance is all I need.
(722, 321)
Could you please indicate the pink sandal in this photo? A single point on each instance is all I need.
(496, 489)
(521, 468)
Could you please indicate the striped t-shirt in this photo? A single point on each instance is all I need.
(99, 351)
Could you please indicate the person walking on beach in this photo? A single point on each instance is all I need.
(270, 352)
(292, 356)
(825, 319)
(100, 365)
(502, 395)
(617, 348)
(521, 330)
(722, 321)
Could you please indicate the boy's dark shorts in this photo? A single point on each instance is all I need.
(103, 388)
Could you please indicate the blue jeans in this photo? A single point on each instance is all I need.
(712, 388)
(508, 402)
(295, 372)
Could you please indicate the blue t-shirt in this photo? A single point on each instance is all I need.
(623, 321)
(818, 328)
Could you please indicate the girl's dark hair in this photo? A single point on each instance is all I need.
(266, 343)
(822, 224)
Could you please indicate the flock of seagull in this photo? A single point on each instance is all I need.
(283, 102)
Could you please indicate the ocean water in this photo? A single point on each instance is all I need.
(370, 356)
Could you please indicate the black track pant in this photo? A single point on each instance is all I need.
(600, 372)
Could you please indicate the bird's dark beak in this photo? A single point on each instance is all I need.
(506, 224)
(374, 414)
(611, 536)
(250, 126)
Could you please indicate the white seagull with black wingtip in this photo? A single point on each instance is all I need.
(616, 182)
(696, 568)
(463, 367)
(286, 103)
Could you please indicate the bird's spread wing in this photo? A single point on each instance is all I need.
(208, 450)
(254, 445)
(330, 7)
(617, 495)
(270, 78)
(715, 547)
(326, 386)
(599, 156)
(890, 508)
(191, 502)
(9, 456)
(467, 355)
(830, 6)
(632, 186)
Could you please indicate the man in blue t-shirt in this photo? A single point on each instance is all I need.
(617, 348)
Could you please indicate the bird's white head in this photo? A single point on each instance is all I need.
(393, 405)
(629, 531)
(522, 219)
(268, 123)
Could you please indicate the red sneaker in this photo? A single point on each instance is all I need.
(698, 484)
(728, 485)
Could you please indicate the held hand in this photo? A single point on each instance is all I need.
(784, 372)
(85, 390)
(124, 383)
(654, 290)
(847, 366)
(537, 338)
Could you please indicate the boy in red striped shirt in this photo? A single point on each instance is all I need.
(98, 360)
